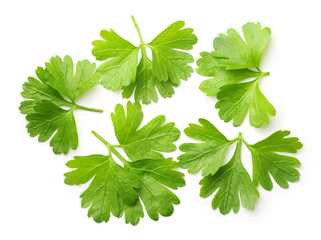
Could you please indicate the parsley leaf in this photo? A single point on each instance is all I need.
(167, 62)
(267, 162)
(146, 84)
(47, 119)
(154, 175)
(111, 187)
(44, 110)
(147, 142)
(234, 53)
(167, 67)
(61, 76)
(121, 69)
(201, 155)
(232, 179)
(143, 179)
(37, 90)
(233, 61)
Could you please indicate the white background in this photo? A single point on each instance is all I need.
(34, 201)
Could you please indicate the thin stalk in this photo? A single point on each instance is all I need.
(120, 157)
(245, 142)
(89, 109)
(142, 43)
(262, 75)
(107, 144)
(111, 148)
(259, 69)
(233, 141)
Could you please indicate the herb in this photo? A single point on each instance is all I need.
(44, 112)
(232, 61)
(164, 71)
(232, 180)
(120, 189)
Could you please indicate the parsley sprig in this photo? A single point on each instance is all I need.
(232, 61)
(231, 182)
(167, 67)
(48, 94)
(143, 177)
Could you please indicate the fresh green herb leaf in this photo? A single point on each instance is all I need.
(155, 176)
(121, 69)
(146, 84)
(167, 67)
(44, 110)
(143, 179)
(37, 91)
(233, 53)
(48, 119)
(167, 62)
(267, 162)
(232, 179)
(208, 66)
(235, 100)
(233, 61)
(207, 156)
(111, 187)
(60, 76)
(147, 142)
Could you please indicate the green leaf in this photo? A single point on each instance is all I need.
(120, 69)
(162, 73)
(233, 183)
(27, 106)
(37, 90)
(139, 182)
(161, 170)
(134, 213)
(45, 99)
(208, 155)
(234, 53)
(148, 141)
(146, 84)
(236, 100)
(126, 125)
(157, 199)
(48, 119)
(167, 62)
(111, 186)
(60, 76)
(208, 66)
(267, 162)
(231, 63)
(154, 175)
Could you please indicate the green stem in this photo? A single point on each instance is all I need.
(142, 43)
(120, 157)
(111, 148)
(107, 144)
(245, 142)
(262, 73)
(89, 109)
(259, 69)
(138, 31)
